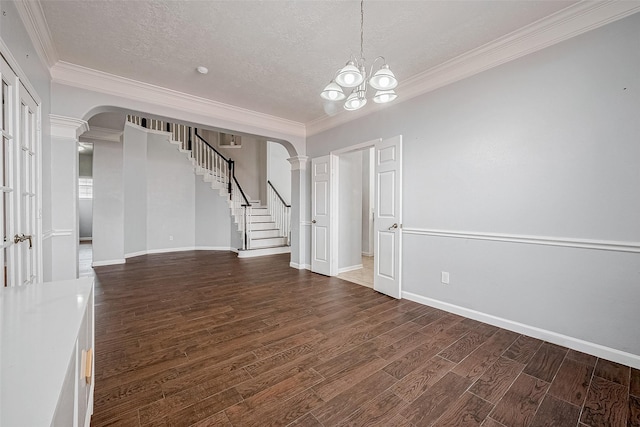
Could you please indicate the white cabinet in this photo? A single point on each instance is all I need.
(46, 354)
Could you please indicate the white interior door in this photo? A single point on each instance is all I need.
(18, 171)
(388, 217)
(26, 213)
(321, 215)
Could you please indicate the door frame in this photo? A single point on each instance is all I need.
(22, 79)
(335, 199)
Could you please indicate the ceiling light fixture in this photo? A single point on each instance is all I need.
(354, 75)
(202, 70)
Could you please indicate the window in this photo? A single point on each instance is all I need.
(85, 188)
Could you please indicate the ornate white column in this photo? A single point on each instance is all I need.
(62, 249)
(300, 231)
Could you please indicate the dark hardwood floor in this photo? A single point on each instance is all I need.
(207, 339)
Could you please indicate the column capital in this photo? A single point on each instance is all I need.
(67, 127)
(298, 162)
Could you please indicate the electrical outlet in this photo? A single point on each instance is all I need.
(170, 238)
(445, 277)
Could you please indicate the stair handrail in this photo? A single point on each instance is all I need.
(278, 194)
(280, 212)
(210, 146)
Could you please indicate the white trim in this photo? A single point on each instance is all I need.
(99, 81)
(56, 233)
(569, 22)
(67, 127)
(357, 147)
(251, 253)
(350, 268)
(183, 249)
(369, 254)
(305, 223)
(602, 245)
(532, 331)
(298, 162)
(135, 254)
(34, 21)
(11, 60)
(85, 239)
(299, 266)
(101, 134)
(108, 262)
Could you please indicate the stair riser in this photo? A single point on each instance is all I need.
(262, 226)
(263, 234)
(262, 243)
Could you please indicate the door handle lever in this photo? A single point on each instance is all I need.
(21, 238)
(393, 226)
(313, 221)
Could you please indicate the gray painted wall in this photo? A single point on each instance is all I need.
(350, 210)
(547, 145)
(279, 169)
(134, 174)
(85, 206)
(108, 202)
(85, 165)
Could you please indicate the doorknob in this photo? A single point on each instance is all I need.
(21, 238)
(313, 221)
(393, 226)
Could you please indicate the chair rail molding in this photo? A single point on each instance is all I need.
(562, 25)
(603, 245)
(67, 127)
(56, 233)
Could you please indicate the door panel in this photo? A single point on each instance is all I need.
(18, 173)
(388, 217)
(320, 215)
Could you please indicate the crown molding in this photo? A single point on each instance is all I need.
(101, 134)
(67, 127)
(567, 23)
(32, 17)
(99, 81)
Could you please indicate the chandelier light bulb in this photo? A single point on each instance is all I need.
(355, 101)
(349, 76)
(383, 79)
(333, 92)
(384, 96)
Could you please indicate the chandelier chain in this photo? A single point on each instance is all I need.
(361, 29)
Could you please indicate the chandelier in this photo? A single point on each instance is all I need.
(354, 75)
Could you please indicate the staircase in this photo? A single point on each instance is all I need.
(265, 230)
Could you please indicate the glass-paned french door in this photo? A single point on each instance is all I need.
(18, 172)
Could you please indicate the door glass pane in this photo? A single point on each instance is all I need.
(5, 105)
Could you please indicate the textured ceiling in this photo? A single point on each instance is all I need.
(273, 57)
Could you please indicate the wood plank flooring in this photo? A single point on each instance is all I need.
(207, 339)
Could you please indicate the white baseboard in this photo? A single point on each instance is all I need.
(350, 268)
(108, 262)
(135, 254)
(188, 248)
(367, 253)
(86, 239)
(299, 266)
(598, 350)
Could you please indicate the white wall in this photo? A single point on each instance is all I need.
(170, 196)
(279, 169)
(250, 165)
(544, 146)
(135, 190)
(368, 186)
(212, 217)
(149, 181)
(108, 202)
(350, 210)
